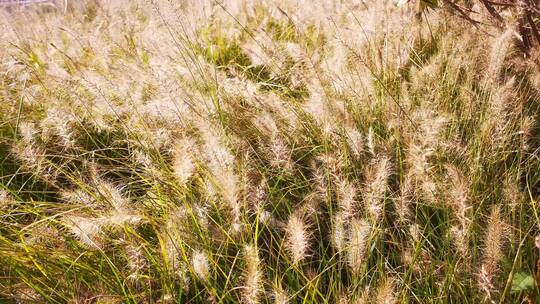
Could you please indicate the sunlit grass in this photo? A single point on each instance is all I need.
(257, 152)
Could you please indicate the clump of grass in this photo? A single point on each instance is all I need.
(259, 152)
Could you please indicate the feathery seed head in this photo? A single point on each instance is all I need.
(376, 185)
(404, 200)
(28, 131)
(371, 141)
(34, 158)
(494, 240)
(59, 122)
(511, 192)
(282, 155)
(258, 196)
(343, 298)
(5, 199)
(279, 294)
(229, 186)
(137, 262)
(182, 162)
(79, 197)
(200, 264)
(355, 140)
(485, 282)
(432, 126)
(253, 275)
(216, 151)
(461, 239)
(266, 123)
(499, 51)
(459, 192)
(385, 292)
(119, 217)
(297, 238)
(346, 195)
(415, 232)
(111, 194)
(364, 296)
(85, 229)
(142, 158)
(493, 243)
(339, 233)
(358, 244)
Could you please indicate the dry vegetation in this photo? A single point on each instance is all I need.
(194, 151)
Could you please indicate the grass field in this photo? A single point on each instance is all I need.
(200, 151)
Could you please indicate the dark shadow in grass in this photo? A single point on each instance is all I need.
(20, 183)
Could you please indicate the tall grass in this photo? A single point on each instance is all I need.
(265, 151)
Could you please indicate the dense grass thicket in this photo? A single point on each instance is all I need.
(333, 151)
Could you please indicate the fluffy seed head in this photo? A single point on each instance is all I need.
(136, 261)
(59, 122)
(85, 229)
(5, 199)
(111, 194)
(358, 242)
(511, 192)
(404, 200)
(355, 140)
(339, 236)
(281, 154)
(494, 239)
(201, 267)
(183, 165)
(28, 131)
(385, 293)
(458, 193)
(253, 275)
(371, 141)
(297, 239)
(375, 189)
(279, 294)
(461, 239)
(493, 243)
(346, 195)
(499, 51)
